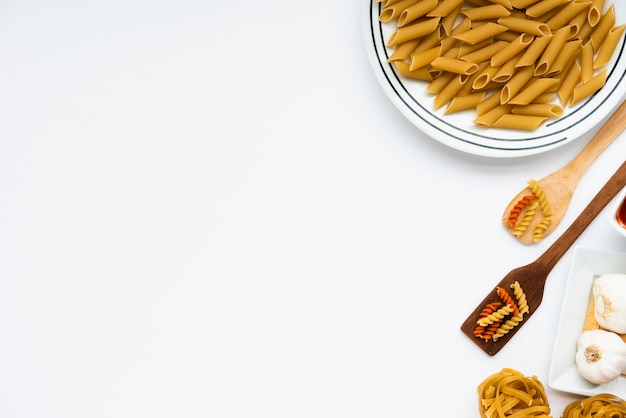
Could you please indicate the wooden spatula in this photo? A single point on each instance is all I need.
(559, 186)
(532, 277)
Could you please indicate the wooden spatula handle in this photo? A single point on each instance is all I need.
(553, 254)
(600, 141)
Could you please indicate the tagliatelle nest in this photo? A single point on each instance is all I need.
(508, 393)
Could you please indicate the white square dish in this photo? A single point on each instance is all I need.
(563, 375)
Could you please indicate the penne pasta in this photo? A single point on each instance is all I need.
(552, 50)
(465, 49)
(387, 3)
(512, 49)
(413, 31)
(424, 58)
(577, 23)
(520, 122)
(607, 21)
(393, 10)
(469, 101)
(419, 74)
(515, 84)
(546, 110)
(484, 77)
(447, 22)
(438, 84)
(542, 7)
(404, 50)
(506, 71)
(585, 90)
(569, 82)
(545, 98)
(486, 31)
(488, 103)
(585, 31)
(595, 12)
(516, 63)
(565, 58)
(485, 53)
(505, 3)
(416, 11)
(490, 117)
(468, 87)
(445, 8)
(608, 46)
(507, 36)
(449, 91)
(428, 42)
(534, 89)
(453, 65)
(523, 4)
(492, 11)
(518, 24)
(586, 62)
(534, 51)
(567, 14)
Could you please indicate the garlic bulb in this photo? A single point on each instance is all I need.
(609, 296)
(601, 356)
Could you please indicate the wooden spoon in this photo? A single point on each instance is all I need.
(559, 186)
(532, 277)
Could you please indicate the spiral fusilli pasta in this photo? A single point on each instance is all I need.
(517, 209)
(507, 299)
(496, 316)
(528, 217)
(520, 296)
(507, 326)
(541, 228)
(541, 197)
(486, 332)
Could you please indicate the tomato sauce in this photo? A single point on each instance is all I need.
(621, 214)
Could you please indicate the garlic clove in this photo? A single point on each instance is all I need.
(600, 356)
(609, 296)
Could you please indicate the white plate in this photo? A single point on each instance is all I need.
(586, 265)
(458, 130)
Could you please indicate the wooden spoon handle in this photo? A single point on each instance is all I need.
(600, 141)
(554, 253)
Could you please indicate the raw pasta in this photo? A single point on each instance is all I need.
(595, 11)
(541, 227)
(510, 393)
(582, 91)
(520, 296)
(540, 195)
(608, 46)
(547, 110)
(492, 11)
(508, 300)
(415, 11)
(519, 122)
(603, 405)
(495, 317)
(525, 222)
(517, 209)
(522, 25)
(494, 321)
(504, 58)
(507, 326)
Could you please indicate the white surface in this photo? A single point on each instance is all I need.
(458, 129)
(586, 265)
(213, 210)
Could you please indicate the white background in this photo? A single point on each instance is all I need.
(211, 209)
